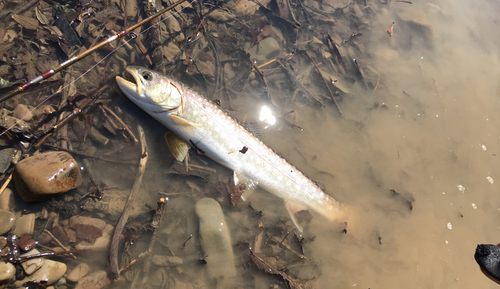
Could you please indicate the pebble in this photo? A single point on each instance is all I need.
(24, 225)
(51, 271)
(95, 280)
(46, 175)
(6, 221)
(32, 265)
(6, 157)
(100, 243)
(113, 202)
(22, 112)
(10, 121)
(266, 49)
(26, 243)
(215, 239)
(78, 272)
(81, 220)
(7, 271)
(7, 199)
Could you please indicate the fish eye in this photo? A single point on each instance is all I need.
(147, 75)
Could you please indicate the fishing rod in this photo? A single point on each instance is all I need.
(49, 73)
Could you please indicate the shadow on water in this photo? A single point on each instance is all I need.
(399, 123)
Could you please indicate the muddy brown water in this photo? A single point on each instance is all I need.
(436, 143)
(429, 132)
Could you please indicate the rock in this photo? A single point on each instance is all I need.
(7, 199)
(22, 112)
(414, 24)
(215, 239)
(81, 220)
(32, 265)
(266, 49)
(46, 175)
(51, 271)
(26, 243)
(6, 221)
(167, 261)
(10, 121)
(220, 16)
(338, 4)
(100, 243)
(24, 225)
(113, 201)
(6, 157)
(7, 271)
(95, 280)
(78, 272)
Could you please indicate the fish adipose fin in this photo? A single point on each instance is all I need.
(178, 147)
(183, 122)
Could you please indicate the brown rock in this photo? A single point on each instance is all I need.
(46, 175)
(22, 112)
(26, 243)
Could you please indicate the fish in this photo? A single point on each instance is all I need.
(196, 122)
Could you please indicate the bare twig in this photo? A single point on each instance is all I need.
(155, 224)
(7, 181)
(121, 122)
(113, 252)
(326, 83)
(58, 242)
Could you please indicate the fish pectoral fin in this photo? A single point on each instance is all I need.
(178, 147)
(292, 209)
(243, 187)
(182, 121)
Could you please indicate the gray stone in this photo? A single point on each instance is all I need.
(215, 239)
(46, 175)
(22, 112)
(7, 271)
(266, 49)
(7, 219)
(6, 157)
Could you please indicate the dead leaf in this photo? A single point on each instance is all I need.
(9, 35)
(264, 32)
(89, 121)
(276, 266)
(26, 22)
(41, 17)
(389, 31)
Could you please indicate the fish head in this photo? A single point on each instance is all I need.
(150, 90)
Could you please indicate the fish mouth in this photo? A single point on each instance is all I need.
(130, 84)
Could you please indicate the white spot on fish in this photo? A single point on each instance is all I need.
(204, 118)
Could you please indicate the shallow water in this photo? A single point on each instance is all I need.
(414, 158)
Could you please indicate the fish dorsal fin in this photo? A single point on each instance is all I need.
(178, 147)
(183, 122)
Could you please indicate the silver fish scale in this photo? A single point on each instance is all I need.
(221, 138)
